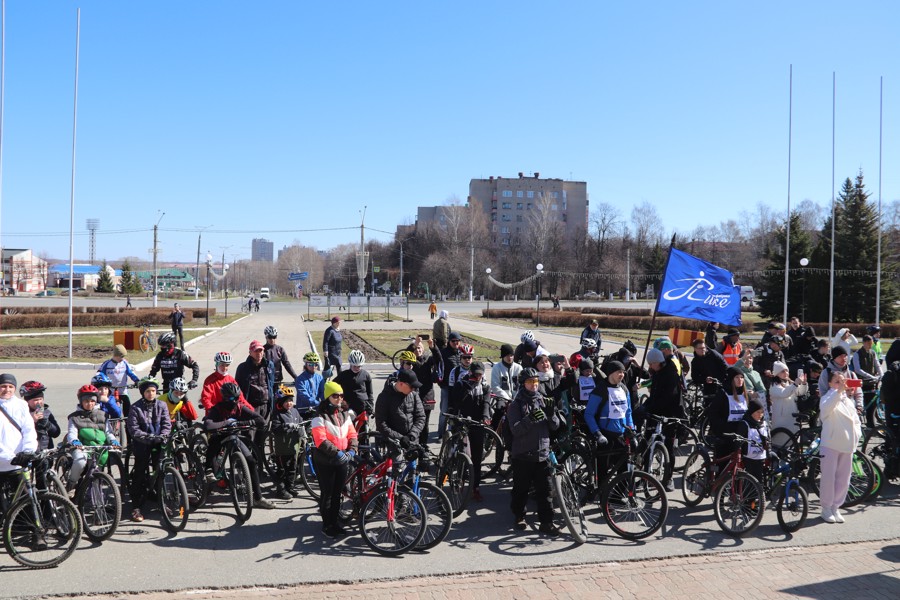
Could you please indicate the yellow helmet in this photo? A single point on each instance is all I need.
(407, 356)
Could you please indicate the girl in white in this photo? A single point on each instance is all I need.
(844, 339)
(783, 395)
(841, 430)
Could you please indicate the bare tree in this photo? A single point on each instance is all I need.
(648, 228)
(295, 259)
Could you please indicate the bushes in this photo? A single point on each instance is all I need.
(95, 317)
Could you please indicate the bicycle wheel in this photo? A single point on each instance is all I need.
(395, 359)
(55, 483)
(579, 467)
(392, 521)
(194, 475)
(173, 499)
(455, 478)
(100, 504)
(862, 480)
(494, 453)
(656, 462)
(685, 444)
(62, 466)
(240, 485)
(875, 445)
(703, 430)
(144, 343)
(782, 441)
(41, 534)
(307, 472)
(438, 515)
(696, 479)
(634, 505)
(739, 504)
(566, 497)
(792, 506)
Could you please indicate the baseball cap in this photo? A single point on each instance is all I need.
(255, 345)
(408, 377)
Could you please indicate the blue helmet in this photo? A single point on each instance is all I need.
(100, 379)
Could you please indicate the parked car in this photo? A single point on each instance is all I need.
(45, 293)
(591, 295)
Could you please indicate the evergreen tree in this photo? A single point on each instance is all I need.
(771, 305)
(104, 281)
(130, 284)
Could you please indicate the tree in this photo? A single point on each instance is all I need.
(104, 281)
(772, 302)
(129, 283)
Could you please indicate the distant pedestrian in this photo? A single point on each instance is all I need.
(440, 331)
(331, 345)
(256, 304)
(177, 319)
(432, 310)
(128, 301)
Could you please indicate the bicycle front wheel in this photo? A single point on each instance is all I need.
(100, 504)
(696, 478)
(455, 478)
(657, 462)
(862, 480)
(240, 486)
(739, 504)
(566, 498)
(173, 499)
(308, 474)
(392, 521)
(438, 515)
(494, 453)
(41, 533)
(685, 444)
(792, 507)
(144, 343)
(194, 476)
(634, 505)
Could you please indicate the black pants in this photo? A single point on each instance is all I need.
(331, 484)
(423, 437)
(215, 445)
(179, 331)
(140, 476)
(868, 397)
(476, 447)
(526, 474)
(287, 470)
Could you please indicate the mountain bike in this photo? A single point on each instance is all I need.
(147, 339)
(782, 485)
(438, 509)
(230, 466)
(566, 498)
(97, 494)
(166, 485)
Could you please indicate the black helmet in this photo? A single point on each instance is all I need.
(527, 374)
(873, 329)
(230, 392)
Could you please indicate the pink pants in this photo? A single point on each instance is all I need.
(835, 479)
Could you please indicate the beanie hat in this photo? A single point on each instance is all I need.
(332, 388)
(119, 350)
(476, 367)
(529, 346)
(8, 378)
(838, 351)
(557, 358)
(506, 350)
(778, 367)
(454, 336)
(611, 367)
(753, 406)
(655, 356)
(586, 363)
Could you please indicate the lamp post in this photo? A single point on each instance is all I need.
(540, 270)
(225, 279)
(208, 267)
(488, 294)
(803, 262)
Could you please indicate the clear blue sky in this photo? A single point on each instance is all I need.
(261, 116)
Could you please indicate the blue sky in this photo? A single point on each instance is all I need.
(261, 117)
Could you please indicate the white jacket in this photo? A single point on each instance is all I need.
(851, 341)
(841, 427)
(784, 403)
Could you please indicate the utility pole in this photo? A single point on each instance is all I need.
(627, 274)
(471, 272)
(155, 253)
(401, 268)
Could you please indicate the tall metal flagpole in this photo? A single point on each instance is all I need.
(878, 269)
(72, 194)
(787, 243)
(658, 296)
(831, 278)
(2, 95)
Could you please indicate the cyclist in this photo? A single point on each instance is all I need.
(277, 355)
(527, 349)
(471, 397)
(148, 428)
(172, 361)
(708, 367)
(592, 331)
(336, 445)
(177, 402)
(449, 359)
(87, 426)
(466, 356)
(757, 431)
(44, 422)
(17, 431)
(106, 400)
(230, 411)
(588, 351)
(357, 385)
(727, 409)
(212, 385)
(286, 431)
(608, 413)
(665, 400)
(875, 332)
(119, 372)
(309, 383)
(425, 364)
(505, 375)
(531, 426)
(399, 413)
(867, 366)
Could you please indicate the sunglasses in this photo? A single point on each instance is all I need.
(407, 362)
(454, 341)
(465, 358)
(312, 364)
(338, 395)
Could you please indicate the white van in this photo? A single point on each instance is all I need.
(263, 293)
(747, 294)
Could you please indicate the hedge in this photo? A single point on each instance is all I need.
(90, 318)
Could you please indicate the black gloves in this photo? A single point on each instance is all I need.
(538, 415)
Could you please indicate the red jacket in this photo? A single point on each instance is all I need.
(212, 390)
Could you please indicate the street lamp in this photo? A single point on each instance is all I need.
(488, 292)
(225, 280)
(803, 262)
(540, 270)
(208, 267)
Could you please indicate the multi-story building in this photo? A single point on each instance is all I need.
(511, 204)
(262, 250)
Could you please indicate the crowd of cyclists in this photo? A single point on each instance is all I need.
(596, 419)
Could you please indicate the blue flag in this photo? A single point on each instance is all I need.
(695, 289)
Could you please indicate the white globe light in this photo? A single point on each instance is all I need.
(540, 267)
(488, 270)
(804, 262)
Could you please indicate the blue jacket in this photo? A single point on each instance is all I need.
(310, 389)
(111, 408)
(601, 404)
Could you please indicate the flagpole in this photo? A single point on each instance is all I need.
(787, 243)
(658, 296)
(878, 268)
(831, 277)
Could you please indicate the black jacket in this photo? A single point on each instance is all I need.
(256, 381)
(172, 366)
(449, 359)
(279, 358)
(531, 440)
(47, 429)
(471, 399)
(666, 391)
(711, 364)
(357, 390)
(399, 416)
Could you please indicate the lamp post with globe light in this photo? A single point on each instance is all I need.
(540, 269)
(803, 262)
(488, 294)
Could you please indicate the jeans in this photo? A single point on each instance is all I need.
(445, 403)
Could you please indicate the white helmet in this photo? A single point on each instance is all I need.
(527, 337)
(357, 358)
(588, 343)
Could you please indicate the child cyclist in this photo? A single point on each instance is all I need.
(148, 428)
(287, 429)
(87, 427)
(177, 402)
(119, 372)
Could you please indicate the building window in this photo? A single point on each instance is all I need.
(556, 194)
(494, 217)
(519, 218)
(529, 206)
(507, 205)
(530, 193)
(507, 193)
(506, 241)
(520, 194)
(565, 203)
(554, 206)
(504, 229)
(564, 217)
(506, 218)
(520, 205)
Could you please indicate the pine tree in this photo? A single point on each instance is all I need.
(104, 281)
(772, 303)
(129, 285)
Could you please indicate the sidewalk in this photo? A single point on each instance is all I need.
(857, 570)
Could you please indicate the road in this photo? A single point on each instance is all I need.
(284, 546)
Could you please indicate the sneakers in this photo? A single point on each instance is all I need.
(476, 495)
(136, 515)
(293, 492)
(828, 515)
(836, 513)
(520, 524)
(549, 529)
(283, 494)
(263, 504)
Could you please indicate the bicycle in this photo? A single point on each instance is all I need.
(188, 462)
(438, 509)
(880, 445)
(147, 339)
(41, 529)
(306, 469)
(165, 484)
(739, 499)
(454, 466)
(236, 474)
(656, 459)
(566, 497)
(97, 494)
(782, 481)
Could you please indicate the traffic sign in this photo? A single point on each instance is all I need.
(376, 269)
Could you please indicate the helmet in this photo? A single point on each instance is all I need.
(166, 339)
(100, 380)
(230, 392)
(87, 390)
(629, 345)
(873, 329)
(270, 332)
(223, 357)
(32, 389)
(527, 374)
(357, 358)
(464, 350)
(589, 343)
(284, 392)
(311, 357)
(146, 382)
(527, 337)
(178, 384)
(408, 356)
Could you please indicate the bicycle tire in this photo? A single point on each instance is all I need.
(862, 480)
(144, 343)
(307, 473)
(438, 515)
(194, 476)
(656, 462)
(876, 446)
(578, 466)
(566, 497)
(686, 442)
(62, 466)
(391, 531)
(58, 525)
(493, 455)
(100, 504)
(395, 359)
(877, 483)
(455, 478)
(739, 504)
(703, 430)
(240, 486)
(792, 507)
(55, 483)
(174, 504)
(695, 481)
(635, 498)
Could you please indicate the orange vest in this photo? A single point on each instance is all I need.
(732, 354)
